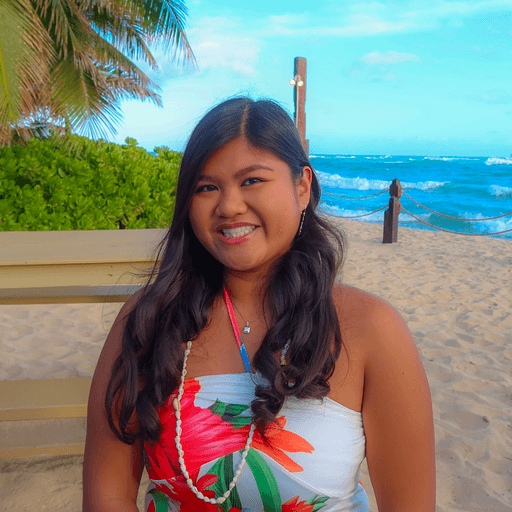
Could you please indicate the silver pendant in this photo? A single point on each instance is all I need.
(246, 329)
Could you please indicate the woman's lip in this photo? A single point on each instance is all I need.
(237, 240)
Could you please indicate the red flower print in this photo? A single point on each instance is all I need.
(313, 504)
(280, 439)
(178, 491)
(293, 505)
(205, 437)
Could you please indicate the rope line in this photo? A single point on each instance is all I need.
(358, 216)
(343, 197)
(455, 232)
(456, 218)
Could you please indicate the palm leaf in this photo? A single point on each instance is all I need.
(68, 65)
(25, 50)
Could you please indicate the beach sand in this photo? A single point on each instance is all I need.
(453, 291)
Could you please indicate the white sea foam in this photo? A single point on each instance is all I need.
(498, 161)
(497, 225)
(348, 157)
(339, 211)
(492, 226)
(485, 226)
(423, 185)
(337, 181)
(499, 191)
(449, 158)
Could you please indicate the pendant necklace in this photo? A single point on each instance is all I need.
(247, 329)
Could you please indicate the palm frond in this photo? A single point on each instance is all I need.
(25, 50)
(166, 26)
(124, 34)
(162, 22)
(70, 64)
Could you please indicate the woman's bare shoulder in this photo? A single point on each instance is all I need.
(367, 319)
(354, 305)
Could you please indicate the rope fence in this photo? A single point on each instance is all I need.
(394, 208)
(455, 218)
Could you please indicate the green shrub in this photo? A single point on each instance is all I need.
(100, 185)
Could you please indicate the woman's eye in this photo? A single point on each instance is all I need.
(206, 188)
(251, 181)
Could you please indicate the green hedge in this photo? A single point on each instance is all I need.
(100, 185)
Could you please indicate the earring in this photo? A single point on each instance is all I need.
(302, 216)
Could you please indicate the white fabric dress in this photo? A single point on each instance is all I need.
(310, 463)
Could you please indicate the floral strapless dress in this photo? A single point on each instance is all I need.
(310, 463)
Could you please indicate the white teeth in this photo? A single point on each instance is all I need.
(237, 232)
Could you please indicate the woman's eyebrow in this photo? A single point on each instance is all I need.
(239, 174)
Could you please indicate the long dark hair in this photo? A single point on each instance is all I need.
(173, 306)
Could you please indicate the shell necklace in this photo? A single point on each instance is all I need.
(181, 453)
(177, 412)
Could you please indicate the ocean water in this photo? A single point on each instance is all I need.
(463, 187)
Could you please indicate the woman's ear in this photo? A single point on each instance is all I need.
(304, 185)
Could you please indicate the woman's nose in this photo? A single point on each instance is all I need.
(231, 203)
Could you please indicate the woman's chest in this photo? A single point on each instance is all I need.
(215, 352)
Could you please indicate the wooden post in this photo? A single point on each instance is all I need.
(391, 214)
(299, 99)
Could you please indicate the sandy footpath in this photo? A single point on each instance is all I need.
(455, 293)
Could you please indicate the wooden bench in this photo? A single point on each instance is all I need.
(48, 416)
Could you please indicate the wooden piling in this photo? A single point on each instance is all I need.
(391, 214)
(299, 99)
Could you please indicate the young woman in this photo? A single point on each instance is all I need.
(241, 375)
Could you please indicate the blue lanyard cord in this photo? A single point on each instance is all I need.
(238, 334)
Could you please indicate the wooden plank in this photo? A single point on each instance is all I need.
(67, 294)
(78, 247)
(33, 399)
(37, 276)
(18, 453)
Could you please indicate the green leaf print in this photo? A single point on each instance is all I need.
(265, 480)
(230, 413)
(235, 409)
(218, 408)
(160, 499)
(223, 469)
(239, 422)
(317, 502)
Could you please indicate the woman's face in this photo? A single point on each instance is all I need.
(246, 209)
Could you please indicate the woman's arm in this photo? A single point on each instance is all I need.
(397, 415)
(112, 469)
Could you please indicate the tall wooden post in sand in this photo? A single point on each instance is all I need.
(299, 99)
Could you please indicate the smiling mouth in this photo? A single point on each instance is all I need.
(237, 232)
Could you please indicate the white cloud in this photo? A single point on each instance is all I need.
(365, 26)
(217, 43)
(390, 57)
(374, 18)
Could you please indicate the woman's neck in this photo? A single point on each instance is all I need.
(246, 290)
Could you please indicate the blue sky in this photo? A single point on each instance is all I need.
(418, 77)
